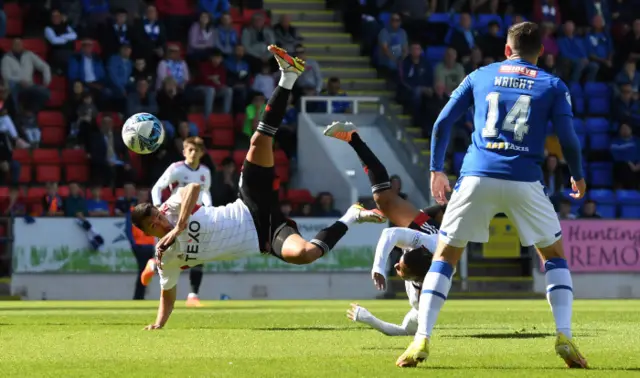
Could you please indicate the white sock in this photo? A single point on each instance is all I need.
(435, 289)
(287, 79)
(559, 293)
(349, 217)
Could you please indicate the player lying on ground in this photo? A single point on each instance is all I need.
(178, 175)
(514, 101)
(191, 235)
(417, 248)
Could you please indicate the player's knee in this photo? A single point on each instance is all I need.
(303, 254)
(551, 248)
(384, 200)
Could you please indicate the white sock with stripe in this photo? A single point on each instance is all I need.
(435, 289)
(560, 293)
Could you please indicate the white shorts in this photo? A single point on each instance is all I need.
(476, 200)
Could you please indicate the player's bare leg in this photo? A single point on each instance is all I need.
(398, 210)
(560, 297)
(295, 249)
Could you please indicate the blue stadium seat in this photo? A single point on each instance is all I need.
(482, 21)
(629, 202)
(600, 174)
(549, 128)
(599, 141)
(594, 89)
(583, 140)
(385, 18)
(440, 18)
(576, 90)
(578, 105)
(605, 200)
(458, 157)
(435, 53)
(599, 105)
(596, 125)
(508, 20)
(578, 126)
(575, 203)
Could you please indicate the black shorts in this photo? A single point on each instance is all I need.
(259, 190)
(424, 223)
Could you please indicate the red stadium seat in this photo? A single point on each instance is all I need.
(48, 118)
(298, 196)
(13, 10)
(58, 83)
(5, 44)
(107, 194)
(36, 46)
(74, 156)
(236, 14)
(48, 173)
(136, 164)
(97, 49)
(239, 122)
(52, 136)
(77, 172)
(238, 28)
(4, 192)
(280, 157)
(282, 172)
(63, 191)
(14, 27)
(198, 119)
(46, 156)
(57, 99)
(119, 192)
(36, 193)
(223, 137)
(220, 121)
(248, 13)
(238, 157)
(22, 155)
(218, 155)
(25, 174)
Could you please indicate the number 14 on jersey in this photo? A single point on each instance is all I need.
(516, 120)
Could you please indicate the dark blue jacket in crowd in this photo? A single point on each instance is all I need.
(76, 68)
(599, 44)
(625, 150)
(572, 48)
(416, 75)
(627, 112)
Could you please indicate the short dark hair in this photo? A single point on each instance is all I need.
(418, 261)
(140, 213)
(525, 38)
(195, 141)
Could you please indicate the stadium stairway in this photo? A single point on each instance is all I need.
(330, 46)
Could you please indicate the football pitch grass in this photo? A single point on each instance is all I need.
(474, 338)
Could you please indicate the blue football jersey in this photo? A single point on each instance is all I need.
(513, 102)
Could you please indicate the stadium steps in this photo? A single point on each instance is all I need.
(299, 14)
(351, 85)
(343, 49)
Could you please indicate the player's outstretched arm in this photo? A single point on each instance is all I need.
(189, 199)
(167, 302)
(407, 328)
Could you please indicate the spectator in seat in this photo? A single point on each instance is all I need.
(213, 83)
(600, 47)
(310, 81)
(629, 48)
(96, 206)
(17, 204)
(629, 75)
(202, 38)
(116, 33)
(304, 210)
(492, 44)
(216, 8)
(149, 37)
(549, 64)
(564, 210)
(393, 44)
(17, 70)
(127, 201)
(226, 36)
(324, 206)
(87, 67)
(142, 100)
(238, 77)
(226, 190)
(61, 39)
(84, 122)
(256, 37)
(287, 36)
(75, 204)
(119, 69)
(476, 60)
(52, 202)
(108, 156)
(626, 109)
(141, 71)
(625, 150)
(176, 151)
(449, 71)
(28, 126)
(589, 210)
(177, 16)
(264, 82)
(574, 59)
(173, 66)
(463, 38)
(334, 90)
(172, 106)
(286, 208)
(9, 168)
(546, 11)
(553, 177)
(431, 105)
(252, 114)
(416, 78)
(548, 40)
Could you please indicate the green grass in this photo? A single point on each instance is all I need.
(306, 339)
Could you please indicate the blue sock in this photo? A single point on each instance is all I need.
(559, 293)
(435, 289)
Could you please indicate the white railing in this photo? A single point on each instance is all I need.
(354, 100)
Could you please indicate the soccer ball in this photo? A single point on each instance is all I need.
(143, 133)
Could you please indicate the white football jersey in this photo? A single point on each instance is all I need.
(213, 233)
(179, 175)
